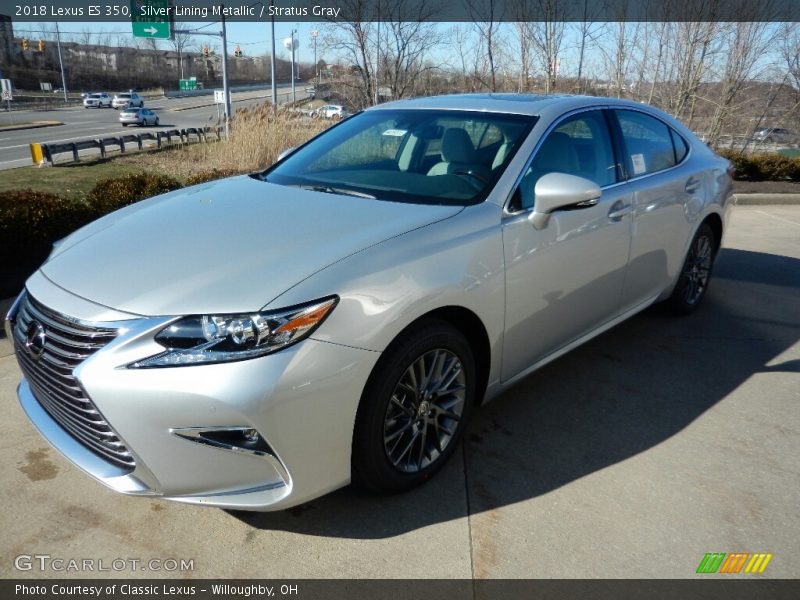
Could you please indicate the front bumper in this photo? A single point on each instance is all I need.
(302, 401)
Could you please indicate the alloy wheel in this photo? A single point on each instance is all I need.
(697, 269)
(424, 411)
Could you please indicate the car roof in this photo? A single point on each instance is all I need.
(521, 104)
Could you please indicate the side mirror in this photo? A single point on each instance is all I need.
(558, 191)
(285, 153)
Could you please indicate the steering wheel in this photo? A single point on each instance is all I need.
(471, 173)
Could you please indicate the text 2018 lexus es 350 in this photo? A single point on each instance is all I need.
(258, 341)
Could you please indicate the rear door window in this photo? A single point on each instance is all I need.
(648, 143)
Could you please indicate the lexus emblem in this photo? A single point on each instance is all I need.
(34, 342)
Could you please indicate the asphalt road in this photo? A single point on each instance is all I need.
(632, 456)
(82, 123)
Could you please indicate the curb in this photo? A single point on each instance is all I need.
(34, 125)
(765, 199)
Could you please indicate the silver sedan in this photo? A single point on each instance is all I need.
(259, 341)
(138, 116)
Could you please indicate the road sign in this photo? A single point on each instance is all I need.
(151, 19)
(219, 96)
(5, 86)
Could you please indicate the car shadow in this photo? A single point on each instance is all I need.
(619, 395)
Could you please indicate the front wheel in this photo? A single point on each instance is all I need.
(156, 122)
(414, 408)
(695, 274)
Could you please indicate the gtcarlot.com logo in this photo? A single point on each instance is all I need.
(45, 562)
(733, 563)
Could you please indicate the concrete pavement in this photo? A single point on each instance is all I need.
(632, 456)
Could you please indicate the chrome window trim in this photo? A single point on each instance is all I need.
(509, 213)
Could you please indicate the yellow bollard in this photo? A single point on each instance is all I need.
(36, 154)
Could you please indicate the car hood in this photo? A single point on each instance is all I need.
(226, 246)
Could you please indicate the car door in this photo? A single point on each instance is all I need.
(668, 195)
(566, 279)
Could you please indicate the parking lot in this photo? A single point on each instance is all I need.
(632, 456)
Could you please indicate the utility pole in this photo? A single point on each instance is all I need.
(272, 58)
(61, 63)
(225, 72)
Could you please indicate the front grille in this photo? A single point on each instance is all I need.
(67, 344)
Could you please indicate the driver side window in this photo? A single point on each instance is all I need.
(580, 145)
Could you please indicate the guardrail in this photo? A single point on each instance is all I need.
(41, 153)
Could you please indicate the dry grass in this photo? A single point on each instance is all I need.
(258, 136)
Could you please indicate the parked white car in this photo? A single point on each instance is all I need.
(332, 111)
(98, 100)
(127, 100)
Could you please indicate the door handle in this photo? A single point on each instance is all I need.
(692, 185)
(618, 211)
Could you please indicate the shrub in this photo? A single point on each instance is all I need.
(763, 167)
(746, 168)
(29, 224)
(110, 194)
(204, 176)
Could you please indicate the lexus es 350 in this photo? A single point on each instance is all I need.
(258, 341)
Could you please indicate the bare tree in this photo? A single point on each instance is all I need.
(180, 42)
(586, 30)
(406, 44)
(747, 43)
(547, 37)
(486, 17)
(355, 41)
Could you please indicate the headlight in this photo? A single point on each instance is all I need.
(224, 338)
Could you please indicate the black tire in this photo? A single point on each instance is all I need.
(124, 124)
(156, 121)
(695, 273)
(385, 427)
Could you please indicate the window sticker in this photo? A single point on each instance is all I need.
(395, 132)
(638, 164)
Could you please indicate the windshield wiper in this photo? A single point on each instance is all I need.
(335, 190)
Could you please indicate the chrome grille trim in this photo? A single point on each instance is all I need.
(68, 343)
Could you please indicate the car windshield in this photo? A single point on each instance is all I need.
(419, 156)
(123, 95)
(95, 96)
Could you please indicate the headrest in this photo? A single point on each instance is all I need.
(457, 146)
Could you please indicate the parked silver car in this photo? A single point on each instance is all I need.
(256, 342)
(138, 116)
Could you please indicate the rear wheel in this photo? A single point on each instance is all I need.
(696, 273)
(414, 409)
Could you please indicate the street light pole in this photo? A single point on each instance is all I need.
(314, 35)
(61, 63)
(225, 72)
(272, 58)
(294, 91)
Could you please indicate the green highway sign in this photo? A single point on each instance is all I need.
(151, 19)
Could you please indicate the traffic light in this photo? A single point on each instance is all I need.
(238, 52)
(40, 46)
(25, 44)
(205, 51)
